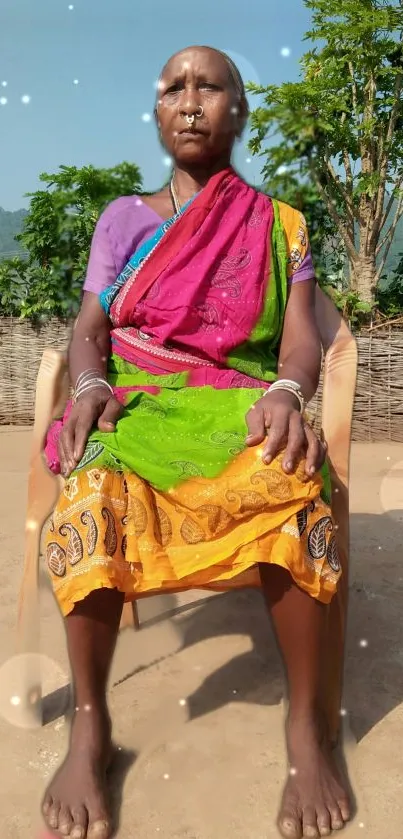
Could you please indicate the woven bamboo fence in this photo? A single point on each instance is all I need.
(21, 348)
(378, 410)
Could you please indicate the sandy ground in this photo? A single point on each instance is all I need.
(196, 695)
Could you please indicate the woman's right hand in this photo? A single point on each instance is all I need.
(97, 405)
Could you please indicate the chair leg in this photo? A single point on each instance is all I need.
(130, 616)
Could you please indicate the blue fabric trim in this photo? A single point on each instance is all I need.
(108, 295)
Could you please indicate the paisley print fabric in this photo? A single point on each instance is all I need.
(198, 534)
(173, 499)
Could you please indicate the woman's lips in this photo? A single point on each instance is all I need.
(192, 132)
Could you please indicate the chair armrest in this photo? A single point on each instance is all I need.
(339, 383)
(52, 390)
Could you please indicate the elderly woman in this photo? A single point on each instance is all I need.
(187, 457)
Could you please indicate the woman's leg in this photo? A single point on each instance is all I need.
(75, 802)
(314, 799)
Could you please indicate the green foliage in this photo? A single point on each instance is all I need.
(387, 306)
(32, 291)
(57, 235)
(356, 312)
(390, 294)
(340, 126)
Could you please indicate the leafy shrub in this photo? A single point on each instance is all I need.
(57, 235)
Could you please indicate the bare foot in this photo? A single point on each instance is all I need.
(75, 802)
(315, 800)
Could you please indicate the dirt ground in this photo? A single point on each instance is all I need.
(196, 695)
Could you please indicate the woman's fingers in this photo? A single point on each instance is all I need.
(256, 422)
(62, 456)
(66, 447)
(83, 426)
(316, 452)
(296, 442)
(284, 427)
(277, 433)
(110, 415)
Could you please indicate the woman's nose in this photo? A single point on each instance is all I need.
(190, 102)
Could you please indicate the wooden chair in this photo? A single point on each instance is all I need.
(340, 367)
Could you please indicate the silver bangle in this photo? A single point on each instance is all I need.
(90, 384)
(91, 373)
(288, 386)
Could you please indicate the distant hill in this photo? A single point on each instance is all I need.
(10, 224)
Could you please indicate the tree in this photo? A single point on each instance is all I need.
(341, 126)
(57, 235)
(62, 217)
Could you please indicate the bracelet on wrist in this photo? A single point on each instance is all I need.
(90, 380)
(288, 386)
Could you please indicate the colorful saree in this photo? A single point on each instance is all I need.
(173, 499)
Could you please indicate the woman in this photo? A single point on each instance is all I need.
(188, 460)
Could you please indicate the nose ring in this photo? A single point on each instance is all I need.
(199, 113)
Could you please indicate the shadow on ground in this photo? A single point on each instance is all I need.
(374, 654)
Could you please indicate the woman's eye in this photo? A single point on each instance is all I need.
(208, 86)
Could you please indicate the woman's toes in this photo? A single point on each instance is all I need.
(100, 829)
(289, 826)
(65, 821)
(78, 832)
(310, 824)
(53, 815)
(80, 821)
(324, 823)
(46, 804)
(345, 809)
(337, 821)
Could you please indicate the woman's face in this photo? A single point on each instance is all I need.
(198, 78)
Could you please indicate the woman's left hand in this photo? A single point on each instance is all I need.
(277, 417)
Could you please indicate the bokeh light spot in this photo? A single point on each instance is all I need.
(24, 680)
(285, 52)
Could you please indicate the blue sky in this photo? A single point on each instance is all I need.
(114, 49)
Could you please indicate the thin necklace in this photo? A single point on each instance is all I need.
(174, 197)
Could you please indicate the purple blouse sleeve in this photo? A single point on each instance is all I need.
(125, 224)
(305, 271)
(101, 271)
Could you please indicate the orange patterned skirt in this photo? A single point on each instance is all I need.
(111, 529)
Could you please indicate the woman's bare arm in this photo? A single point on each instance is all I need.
(90, 344)
(89, 350)
(300, 351)
(277, 414)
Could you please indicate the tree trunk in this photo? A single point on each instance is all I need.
(364, 277)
